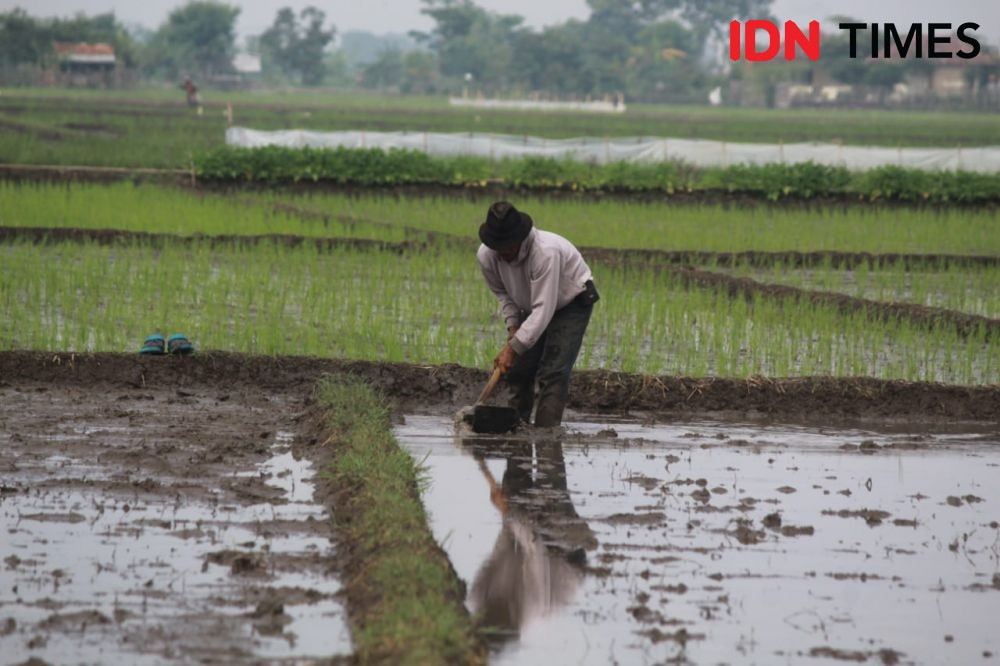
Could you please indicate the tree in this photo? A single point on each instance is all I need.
(551, 60)
(470, 40)
(296, 45)
(198, 38)
(385, 72)
(23, 40)
(664, 64)
(27, 40)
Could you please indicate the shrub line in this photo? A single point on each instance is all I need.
(801, 181)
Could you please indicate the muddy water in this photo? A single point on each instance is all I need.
(141, 528)
(709, 542)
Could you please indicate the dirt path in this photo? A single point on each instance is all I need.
(448, 387)
(921, 315)
(155, 522)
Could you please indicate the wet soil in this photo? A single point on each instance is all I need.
(793, 259)
(41, 235)
(720, 541)
(90, 174)
(151, 523)
(446, 387)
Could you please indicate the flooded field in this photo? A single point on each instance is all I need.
(148, 526)
(712, 542)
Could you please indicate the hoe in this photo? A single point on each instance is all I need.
(488, 419)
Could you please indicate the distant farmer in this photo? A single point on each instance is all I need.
(191, 90)
(546, 295)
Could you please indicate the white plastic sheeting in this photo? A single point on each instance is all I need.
(640, 149)
(597, 106)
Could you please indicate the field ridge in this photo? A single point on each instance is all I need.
(444, 388)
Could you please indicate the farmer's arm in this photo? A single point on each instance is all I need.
(544, 298)
(511, 313)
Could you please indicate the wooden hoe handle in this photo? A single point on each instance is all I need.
(494, 378)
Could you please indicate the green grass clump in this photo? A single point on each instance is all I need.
(406, 601)
(373, 166)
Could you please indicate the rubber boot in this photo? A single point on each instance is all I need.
(550, 411)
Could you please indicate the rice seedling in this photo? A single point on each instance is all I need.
(625, 224)
(432, 307)
(164, 210)
(972, 290)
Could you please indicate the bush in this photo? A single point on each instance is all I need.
(375, 167)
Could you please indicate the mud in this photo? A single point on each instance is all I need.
(143, 528)
(46, 134)
(89, 174)
(582, 547)
(792, 259)
(40, 235)
(447, 387)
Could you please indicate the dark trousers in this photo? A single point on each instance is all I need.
(550, 361)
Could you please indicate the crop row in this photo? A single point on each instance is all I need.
(432, 307)
(610, 224)
(377, 167)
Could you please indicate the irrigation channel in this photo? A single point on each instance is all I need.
(697, 541)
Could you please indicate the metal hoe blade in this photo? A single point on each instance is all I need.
(487, 419)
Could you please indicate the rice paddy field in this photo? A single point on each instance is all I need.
(779, 447)
(362, 303)
(155, 128)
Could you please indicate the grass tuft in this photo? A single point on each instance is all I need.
(405, 601)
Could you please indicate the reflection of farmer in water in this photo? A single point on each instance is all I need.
(536, 563)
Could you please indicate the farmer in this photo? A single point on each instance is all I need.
(191, 90)
(546, 296)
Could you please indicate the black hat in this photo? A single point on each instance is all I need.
(505, 226)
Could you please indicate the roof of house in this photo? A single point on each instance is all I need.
(82, 52)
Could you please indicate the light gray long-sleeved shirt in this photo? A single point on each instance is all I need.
(547, 274)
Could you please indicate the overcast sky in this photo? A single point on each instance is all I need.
(381, 16)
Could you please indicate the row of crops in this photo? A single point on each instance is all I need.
(430, 306)
(609, 224)
(803, 181)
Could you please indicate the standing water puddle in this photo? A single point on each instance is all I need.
(234, 571)
(720, 543)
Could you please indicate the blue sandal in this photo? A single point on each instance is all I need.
(154, 345)
(179, 344)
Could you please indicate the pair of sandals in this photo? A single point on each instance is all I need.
(157, 345)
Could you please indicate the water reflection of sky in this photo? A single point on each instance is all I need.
(143, 564)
